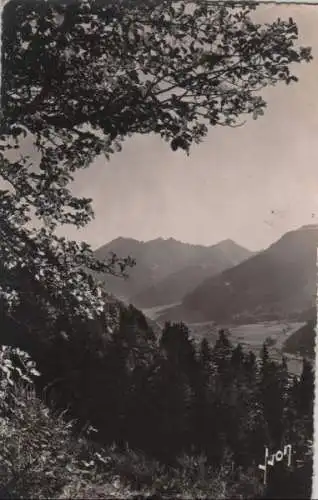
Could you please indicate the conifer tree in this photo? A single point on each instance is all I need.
(222, 351)
(237, 358)
(306, 388)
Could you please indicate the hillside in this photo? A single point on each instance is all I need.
(302, 342)
(167, 269)
(174, 287)
(278, 283)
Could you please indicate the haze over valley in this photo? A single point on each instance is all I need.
(167, 269)
(257, 296)
(159, 235)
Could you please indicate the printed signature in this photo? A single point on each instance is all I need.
(270, 460)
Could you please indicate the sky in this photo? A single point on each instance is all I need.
(251, 184)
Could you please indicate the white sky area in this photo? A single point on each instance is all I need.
(251, 184)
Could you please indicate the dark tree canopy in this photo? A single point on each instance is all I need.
(79, 77)
(125, 67)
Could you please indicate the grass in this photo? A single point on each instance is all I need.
(41, 458)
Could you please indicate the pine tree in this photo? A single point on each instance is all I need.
(222, 352)
(272, 392)
(306, 388)
(250, 367)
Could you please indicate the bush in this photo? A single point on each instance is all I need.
(39, 455)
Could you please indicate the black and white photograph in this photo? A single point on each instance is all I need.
(158, 249)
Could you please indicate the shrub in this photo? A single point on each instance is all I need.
(39, 454)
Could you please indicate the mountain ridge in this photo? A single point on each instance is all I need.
(160, 258)
(175, 286)
(277, 282)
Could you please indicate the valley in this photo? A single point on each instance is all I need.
(157, 281)
(256, 296)
(251, 336)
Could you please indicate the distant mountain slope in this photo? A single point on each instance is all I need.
(278, 283)
(302, 341)
(183, 264)
(174, 287)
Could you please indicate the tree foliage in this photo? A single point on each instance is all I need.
(80, 77)
(77, 79)
(168, 398)
(176, 398)
(123, 68)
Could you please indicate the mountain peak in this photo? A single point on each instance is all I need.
(276, 283)
(121, 239)
(184, 265)
(228, 242)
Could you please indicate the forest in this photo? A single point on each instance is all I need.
(194, 410)
(93, 403)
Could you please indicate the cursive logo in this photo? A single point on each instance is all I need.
(275, 457)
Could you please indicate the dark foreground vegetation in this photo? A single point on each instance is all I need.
(154, 416)
(78, 79)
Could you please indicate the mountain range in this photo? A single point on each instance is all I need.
(223, 283)
(277, 283)
(167, 269)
